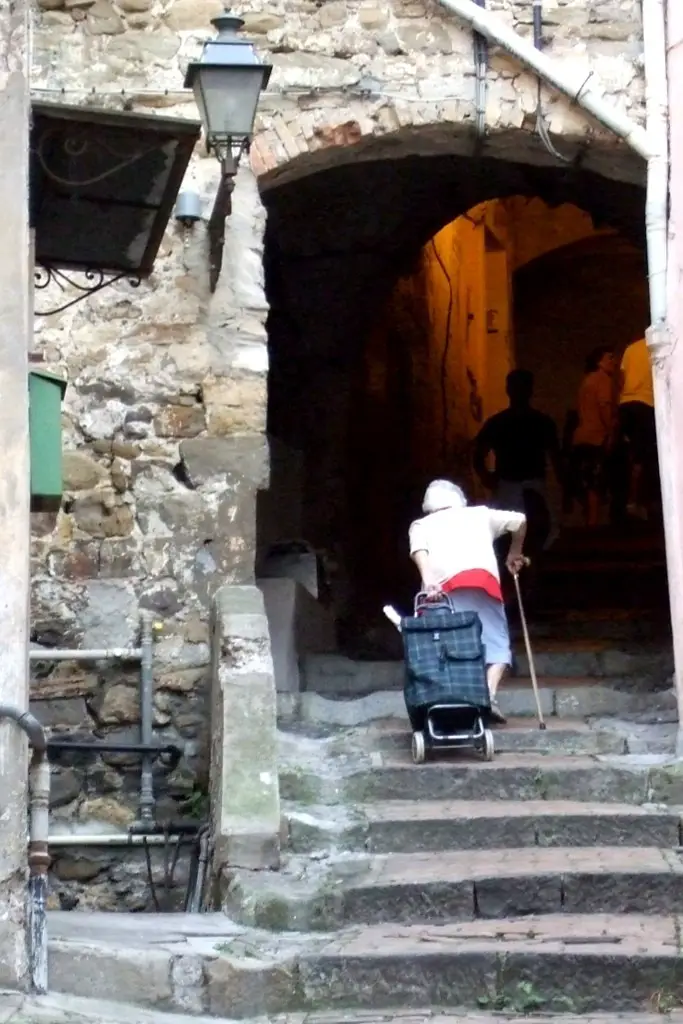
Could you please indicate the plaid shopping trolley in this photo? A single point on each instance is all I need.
(445, 685)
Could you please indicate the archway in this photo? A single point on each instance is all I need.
(345, 247)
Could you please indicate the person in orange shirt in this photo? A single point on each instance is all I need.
(595, 431)
(637, 426)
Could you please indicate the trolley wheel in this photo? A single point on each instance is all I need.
(418, 748)
(489, 745)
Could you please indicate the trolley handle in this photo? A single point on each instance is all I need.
(423, 603)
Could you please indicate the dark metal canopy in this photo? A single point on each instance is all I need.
(103, 185)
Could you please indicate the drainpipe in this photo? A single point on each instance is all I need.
(38, 864)
(577, 89)
(663, 34)
(38, 858)
(660, 336)
(28, 724)
(147, 722)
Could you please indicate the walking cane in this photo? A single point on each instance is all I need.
(529, 652)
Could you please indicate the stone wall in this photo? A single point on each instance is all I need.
(165, 413)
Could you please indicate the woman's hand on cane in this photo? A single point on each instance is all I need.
(516, 561)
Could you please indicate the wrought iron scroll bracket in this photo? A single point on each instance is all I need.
(84, 282)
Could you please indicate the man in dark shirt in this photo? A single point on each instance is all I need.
(522, 441)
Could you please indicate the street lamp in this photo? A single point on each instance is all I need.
(227, 81)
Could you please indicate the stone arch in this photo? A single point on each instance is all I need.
(289, 146)
(384, 196)
(352, 214)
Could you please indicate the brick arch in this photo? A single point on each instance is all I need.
(291, 145)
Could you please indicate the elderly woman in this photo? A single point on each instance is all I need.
(452, 546)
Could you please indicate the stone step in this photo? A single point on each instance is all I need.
(554, 963)
(557, 663)
(508, 777)
(559, 962)
(436, 1015)
(459, 886)
(520, 735)
(67, 1009)
(430, 825)
(560, 698)
(57, 1009)
(447, 886)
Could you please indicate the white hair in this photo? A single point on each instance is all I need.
(443, 494)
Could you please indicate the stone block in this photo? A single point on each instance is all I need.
(185, 15)
(336, 980)
(423, 901)
(65, 786)
(138, 975)
(421, 836)
(180, 421)
(80, 472)
(102, 519)
(110, 618)
(75, 869)
(518, 897)
(372, 17)
(119, 704)
(106, 811)
(245, 804)
(209, 458)
(250, 986)
(333, 13)
(262, 22)
(623, 893)
(62, 712)
(666, 784)
(236, 405)
(135, 6)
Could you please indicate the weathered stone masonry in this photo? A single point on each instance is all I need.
(165, 415)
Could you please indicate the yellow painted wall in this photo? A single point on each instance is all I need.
(534, 229)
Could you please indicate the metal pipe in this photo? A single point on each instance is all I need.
(38, 863)
(38, 857)
(119, 839)
(28, 723)
(146, 720)
(197, 897)
(95, 654)
(153, 750)
(662, 30)
(552, 71)
(657, 194)
(538, 23)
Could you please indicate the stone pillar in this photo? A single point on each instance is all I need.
(14, 491)
(244, 792)
(245, 804)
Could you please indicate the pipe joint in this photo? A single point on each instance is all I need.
(28, 724)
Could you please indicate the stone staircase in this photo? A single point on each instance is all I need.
(547, 884)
